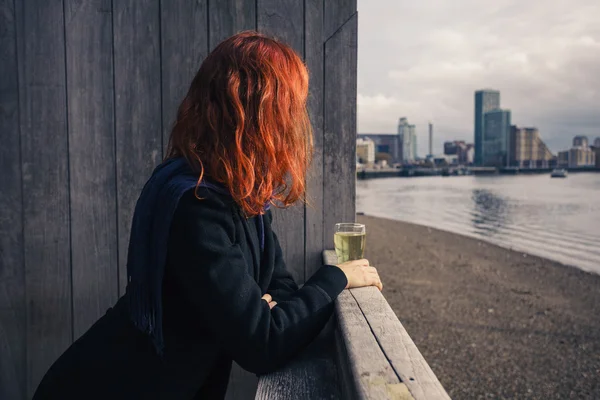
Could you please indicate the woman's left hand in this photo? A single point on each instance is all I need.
(267, 297)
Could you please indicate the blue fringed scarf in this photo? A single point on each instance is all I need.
(147, 254)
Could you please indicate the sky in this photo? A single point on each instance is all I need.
(424, 60)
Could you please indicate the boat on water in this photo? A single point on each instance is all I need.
(559, 173)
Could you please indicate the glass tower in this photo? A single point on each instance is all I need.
(485, 100)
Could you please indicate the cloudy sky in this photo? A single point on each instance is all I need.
(424, 60)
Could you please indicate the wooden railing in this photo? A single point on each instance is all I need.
(365, 353)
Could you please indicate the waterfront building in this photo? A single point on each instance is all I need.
(388, 143)
(495, 140)
(528, 150)
(451, 148)
(485, 100)
(464, 152)
(365, 151)
(408, 137)
(563, 159)
(582, 157)
(415, 155)
(469, 154)
(597, 155)
(580, 141)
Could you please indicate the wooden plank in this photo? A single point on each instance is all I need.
(371, 375)
(45, 174)
(184, 44)
(12, 273)
(228, 17)
(399, 348)
(311, 375)
(88, 36)
(284, 19)
(138, 126)
(365, 371)
(313, 49)
(339, 137)
(337, 13)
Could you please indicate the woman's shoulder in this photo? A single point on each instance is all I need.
(203, 200)
(204, 209)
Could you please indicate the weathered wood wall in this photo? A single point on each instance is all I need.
(88, 93)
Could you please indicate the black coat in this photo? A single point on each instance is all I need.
(214, 279)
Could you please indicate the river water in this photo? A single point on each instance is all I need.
(558, 219)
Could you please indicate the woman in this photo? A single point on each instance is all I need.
(207, 282)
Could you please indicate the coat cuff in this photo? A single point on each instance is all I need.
(330, 279)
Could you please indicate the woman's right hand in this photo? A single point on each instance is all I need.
(359, 273)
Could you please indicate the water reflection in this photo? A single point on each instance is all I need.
(557, 219)
(490, 213)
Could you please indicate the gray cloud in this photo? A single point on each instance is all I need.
(424, 60)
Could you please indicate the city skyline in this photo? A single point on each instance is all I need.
(545, 67)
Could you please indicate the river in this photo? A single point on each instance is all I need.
(558, 219)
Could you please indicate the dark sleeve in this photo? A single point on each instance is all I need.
(212, 273)
(282, 284)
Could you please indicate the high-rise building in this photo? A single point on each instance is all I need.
(495, 140)
(485, 100)
(580, 141)
(413, 142)
(527, 150)
(408, 139)
(597, 143)
(431, 138)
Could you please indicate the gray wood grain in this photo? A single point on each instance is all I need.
(45, 174)
(400, 351)
(313, 45)
(12, 273)
(228, 17)
(184, 44)
(284, 19)
(311, 375)
(138, 125)
(337, 12)
(399, 348)
(88, 36)
(371, 372)
(365, 371)
(339, 137)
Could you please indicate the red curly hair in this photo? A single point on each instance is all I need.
(244, 122)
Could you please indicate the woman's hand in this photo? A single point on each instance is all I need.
(267, 297)
(359, 274)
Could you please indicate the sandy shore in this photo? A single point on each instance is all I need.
(491, 322)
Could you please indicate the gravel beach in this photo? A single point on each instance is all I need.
(492, 323)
